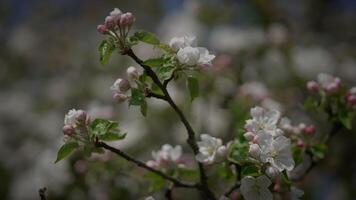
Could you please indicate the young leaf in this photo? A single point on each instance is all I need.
(345, 118)
(111, 136)
(193, 86)
(137, 98)
(146, 37)
(319, 151)
(102, 126)
(144, 108)
(105, 50)
(250, 171)
(154, 62)
(165, 72)
(65, 150)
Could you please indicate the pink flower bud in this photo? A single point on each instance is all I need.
(127, 19)
(332, 88)
(110, 22)
(124, 85)
(310, 129)
(313, 86)
(249, 136)
(132, 73)
(102, 29)
(272, 172)
(81, 116)
(351, 100)
(300, 143)
(68, 130)
(119, 97)
(254, 150)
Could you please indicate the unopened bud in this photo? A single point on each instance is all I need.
(115, 12)
(102, 29)
(254, 150)
(127, 19)
(300, 143)
(351, 100)
(119, 97)
(332, 88)
(68, 130)
(110, 22)
(313, 86)
(81, 116)
(310, 129)
(132, 73)
(272, 172)
(249, 136)
(124, 85)
(222, 151)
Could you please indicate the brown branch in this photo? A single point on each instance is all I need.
(42, 193)
(191, 134)
(176, 182)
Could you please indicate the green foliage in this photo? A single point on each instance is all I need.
(193, 86)
(144, 36)
(318, 151)
(311, 103)
(345, 117)
(154, 62)
(106, 48)
(297, 155)
(90, 148)
(225, 171)
(106, 130)
(66, 149)
(137, 97)
(239, 153)
(250, 170)
(157, 182)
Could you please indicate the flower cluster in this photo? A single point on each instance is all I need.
(211, 150)
(271, 147)
(326, 83)
(121, 86)
(350, 97)
(190, 55)
(117, 21)
(167, 157)
(74, 121)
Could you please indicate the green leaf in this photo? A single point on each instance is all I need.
(143, 108)
(137, 98)
(250, 171)
(193, 86)
(319, 151)
(239, 153)
(66, 149)
(311, 103)
(165, 72)
(106, 130)
(345, 118)
(146, 37)
(111, 136)
(297, 155)
(166, 48)
(157, 182)
(154, 62)
(105, 50)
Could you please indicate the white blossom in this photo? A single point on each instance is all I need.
(167, 155)
(177, 43)
(205, 58)
(326, 80)
(116, 86)
(211, 149)
(188, 56)
(256, 188)
(264, 120)
(276, 151)
(71, 117)
(115, 12)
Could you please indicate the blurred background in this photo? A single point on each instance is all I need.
(266, 50)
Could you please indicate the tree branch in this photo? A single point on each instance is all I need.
(176, 182)
(191, 134)
(42, 193)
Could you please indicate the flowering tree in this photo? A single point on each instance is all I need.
(259, 163)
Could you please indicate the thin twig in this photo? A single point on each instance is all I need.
(191, 134)
(42, 193)
(176, 182)
(168, 194)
